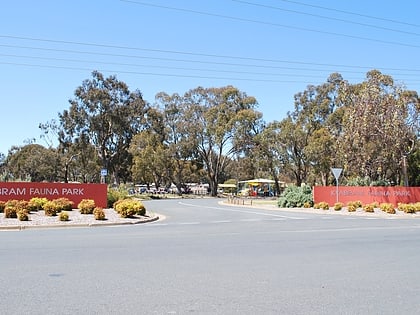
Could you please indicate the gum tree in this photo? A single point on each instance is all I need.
(219, 122)
(381, 127)
(107, 115)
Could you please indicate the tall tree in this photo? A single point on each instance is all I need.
(34, 163)
(108, 115)
(307, 147)
(380, 129)
(218, 120)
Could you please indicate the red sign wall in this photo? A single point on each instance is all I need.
(74, 192)
(366, 195)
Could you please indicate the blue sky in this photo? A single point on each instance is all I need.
(270, 49)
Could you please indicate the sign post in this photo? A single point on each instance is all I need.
(336, 172)
(104, 173)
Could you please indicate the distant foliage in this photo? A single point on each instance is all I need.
(115, 194)
(294, 196)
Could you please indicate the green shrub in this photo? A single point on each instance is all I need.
(36, 203)
(338, 206)
(115, 194)
(127, 208)
(86, 206)
(99, 213)
(294, 196)
(22, 215)
(63, 216)
(50, 208)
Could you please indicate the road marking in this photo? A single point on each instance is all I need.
(189, 223)
(221, 221)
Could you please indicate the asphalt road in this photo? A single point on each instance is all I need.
(207, 258)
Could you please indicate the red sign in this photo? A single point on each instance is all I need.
(366, 194)
(74, 192)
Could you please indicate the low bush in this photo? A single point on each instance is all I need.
(64, 204)
(22, 215)
(351, 208)
(356, 204)
(294, 196)
(338, 206)
(369, 208)
(86, 206)
(10, 212)
(115, 194)
(324, 205)
(37, 203)
(2, 206)
(99, 213)
(127, 208)
(407, 207)
(50, 208)
(63, 216)
(17, 204)
(387, 207)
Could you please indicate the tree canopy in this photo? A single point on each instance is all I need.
(210, 135)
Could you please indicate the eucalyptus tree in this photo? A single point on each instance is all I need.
(34, 163)
(381, 128)
(106, 114)
(150, 161)
(219, 121)
(182, 157)
(308, 136)
(267, 153)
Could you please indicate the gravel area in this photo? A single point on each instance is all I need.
(76, 219)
